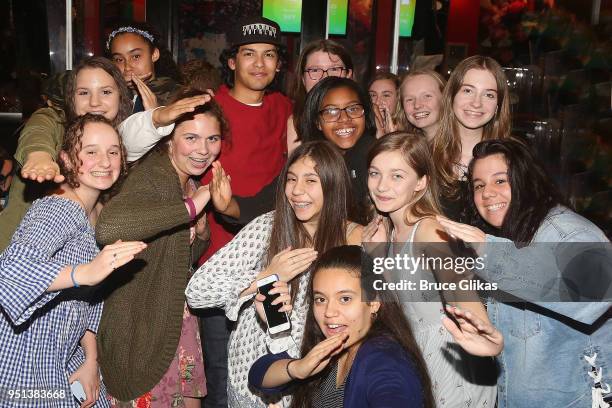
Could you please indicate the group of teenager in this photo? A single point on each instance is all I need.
(193, 199)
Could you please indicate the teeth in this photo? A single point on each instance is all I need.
(345, 131)
(333, 326)
(301, 205)
(199, 160)
(100, 173)
(495, 207)
(421, 115)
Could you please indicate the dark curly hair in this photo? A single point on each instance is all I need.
(70, 163)
(228, 74)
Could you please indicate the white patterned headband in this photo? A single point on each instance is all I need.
(129, 29)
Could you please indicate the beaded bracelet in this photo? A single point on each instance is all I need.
(74, 282)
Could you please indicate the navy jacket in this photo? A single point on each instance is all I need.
(382, 376)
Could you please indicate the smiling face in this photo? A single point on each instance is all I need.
(254, 66)
(96, 92)
(100, 157)
(195, 144)
(383, 93)
(346, 131)
(421, 100)
(304, 192)
(492, 190)
(337, 304)
(392, 183)
(132, 54)
(326, 61)
(475, 103)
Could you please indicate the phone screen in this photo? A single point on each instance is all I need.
(275, 318)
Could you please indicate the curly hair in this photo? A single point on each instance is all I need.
(70, 163)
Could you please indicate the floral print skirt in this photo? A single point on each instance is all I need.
(185, 376)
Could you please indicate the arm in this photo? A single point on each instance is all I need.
(141, 131)
(543, 273)
(39, 144)
(27, 265)
(250, 208)
(87, 374)
(140, 135)
(432, 232)
(551, 274)
(220, 281)
(266, 366)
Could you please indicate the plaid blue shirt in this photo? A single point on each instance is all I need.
(40, 331)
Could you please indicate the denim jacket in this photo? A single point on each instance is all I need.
(556, 354)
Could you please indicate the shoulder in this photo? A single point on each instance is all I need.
(46, 116)
(563, 224)
(430, 230)
(353, 233)
(53, 214)
(258, 229)
(383, 358)
(155, 166)
(278, 99)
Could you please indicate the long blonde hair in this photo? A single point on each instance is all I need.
(446, 145)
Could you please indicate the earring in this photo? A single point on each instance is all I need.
(374, 315)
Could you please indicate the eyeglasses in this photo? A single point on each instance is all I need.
(333, 114)
(317, 73)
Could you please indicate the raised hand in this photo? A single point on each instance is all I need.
(149, 100)
(110, 258)
(464, 232)
(40, 166)
(289, 263)
(319, 357)
(375, 231)
(473, 335)
(167, 115)
(220, 188)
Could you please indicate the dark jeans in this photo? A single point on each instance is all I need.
(214, 331)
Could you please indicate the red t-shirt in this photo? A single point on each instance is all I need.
(255, 154)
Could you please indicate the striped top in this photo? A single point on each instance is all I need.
(328, 395)
(40, 331)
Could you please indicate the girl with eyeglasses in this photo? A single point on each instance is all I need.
(339, 110)
(319, 59)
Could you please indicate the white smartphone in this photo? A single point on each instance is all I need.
(277, 321)
(78, 391)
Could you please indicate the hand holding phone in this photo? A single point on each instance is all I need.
(78, 391)
(277, 321)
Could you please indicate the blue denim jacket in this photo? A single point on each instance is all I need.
(554, 352)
